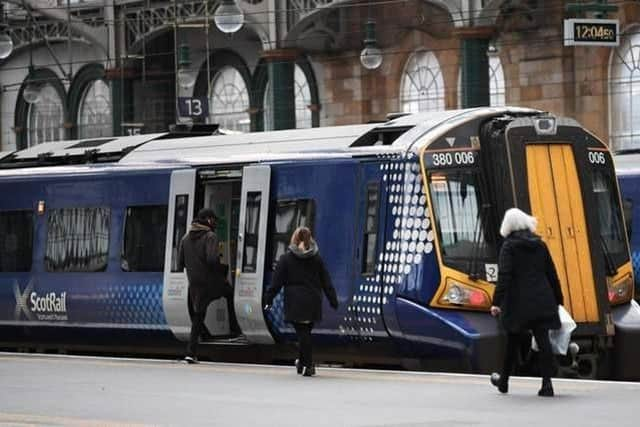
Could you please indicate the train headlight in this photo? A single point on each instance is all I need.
(621, 291)
(545, 125)
(457, 293)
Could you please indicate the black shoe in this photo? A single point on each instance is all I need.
(496, 380)
(191, 360)
(546, 392)
(308, 371)
(547, 389)
(298, 367)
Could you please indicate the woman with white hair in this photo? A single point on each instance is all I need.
(527, 295)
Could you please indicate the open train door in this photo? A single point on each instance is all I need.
(176, 286)
(252, 239)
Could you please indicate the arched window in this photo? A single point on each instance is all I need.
(496, 81)
(229, 100)
(422, 87)
(94, 114)
(302, 99)
(624, 93)
(45, 118)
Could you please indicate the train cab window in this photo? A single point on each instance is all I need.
(456, 201)
(16, 235)
(290, 214)
(77, 239)
(144, 238)
(610, 217)
(370, 230)
(251, 227)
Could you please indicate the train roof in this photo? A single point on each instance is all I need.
(403, 133)
(627, 163)
(326, 142)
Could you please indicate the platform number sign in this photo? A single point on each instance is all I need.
(131, 129)
(193, 107)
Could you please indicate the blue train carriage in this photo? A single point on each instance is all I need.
(628, 172)
(406, 214)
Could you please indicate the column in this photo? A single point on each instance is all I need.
(474, 65)
(281, 66)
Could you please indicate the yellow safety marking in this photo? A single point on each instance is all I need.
(543, 207)
(561, 193)
(577, 234)
(556, 200)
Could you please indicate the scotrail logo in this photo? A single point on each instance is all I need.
(35, 306)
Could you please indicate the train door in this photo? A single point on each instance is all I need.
(252, 237)
(369, 292)
(556, 200)
(174, 292)
(223, 196)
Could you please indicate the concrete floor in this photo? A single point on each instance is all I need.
(89, 391)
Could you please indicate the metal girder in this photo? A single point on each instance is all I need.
(142, 19)
(53, 31)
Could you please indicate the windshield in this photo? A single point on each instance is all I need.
(609, 217)
(457, 202)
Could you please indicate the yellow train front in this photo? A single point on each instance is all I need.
(564, 176)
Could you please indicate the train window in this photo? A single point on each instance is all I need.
(456, 201)
(16, 234)
(144, 238)
(77, 239)
(251, 227)
(609, 216)
(290, 214)
(370, 230)
(179, 227)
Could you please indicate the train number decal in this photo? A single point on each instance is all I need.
(451, 159)
(597, 158)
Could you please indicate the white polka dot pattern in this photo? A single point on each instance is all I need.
(409, 241)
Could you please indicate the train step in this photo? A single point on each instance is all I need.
(239, 340)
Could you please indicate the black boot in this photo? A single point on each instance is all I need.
(308, 371)
(502, 383)
(547, 388)
(299, 367)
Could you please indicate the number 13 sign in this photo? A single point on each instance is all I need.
(193, 107)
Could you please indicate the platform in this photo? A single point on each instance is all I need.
(89, 391)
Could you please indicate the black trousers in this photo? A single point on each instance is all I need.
(544, 346)
(197, 327)
(305, 353)
(197, 324)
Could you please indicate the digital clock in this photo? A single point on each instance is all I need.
(591, 32)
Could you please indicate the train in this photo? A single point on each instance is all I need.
(405, 212)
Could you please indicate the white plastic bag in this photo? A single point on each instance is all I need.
(560, 338)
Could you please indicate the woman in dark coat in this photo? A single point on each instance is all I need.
(527, 295)
(304, 277)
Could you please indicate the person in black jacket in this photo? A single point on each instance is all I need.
(304, 277)
(198, 253)
(527, 295)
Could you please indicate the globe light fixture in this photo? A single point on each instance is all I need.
(371, 55)
(228, 17)
(6, 45)
(31, 93)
